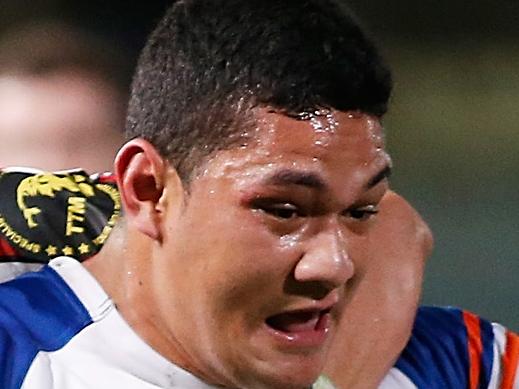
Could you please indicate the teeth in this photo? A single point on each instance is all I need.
(295, 321)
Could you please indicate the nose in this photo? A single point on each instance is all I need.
(325, 260)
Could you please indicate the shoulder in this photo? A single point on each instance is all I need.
(38, 312)
(453, 348)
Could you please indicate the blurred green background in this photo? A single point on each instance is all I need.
(453, 126)
(453, 130)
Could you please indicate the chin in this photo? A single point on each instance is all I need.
(266, 362)
(286, 375)
(286, 383)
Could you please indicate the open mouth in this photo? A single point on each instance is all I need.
(299, 321)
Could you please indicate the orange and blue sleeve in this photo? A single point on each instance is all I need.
(452, 348)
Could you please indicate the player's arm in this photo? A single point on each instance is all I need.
(378, 319)
(44, 215)
(453, 348)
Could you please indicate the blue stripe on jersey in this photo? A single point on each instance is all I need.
(38, 312)
(487, 356)
(436, 355)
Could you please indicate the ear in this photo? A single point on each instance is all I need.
(141, 174)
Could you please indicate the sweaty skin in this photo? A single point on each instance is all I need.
(244, 276)
(377, 321)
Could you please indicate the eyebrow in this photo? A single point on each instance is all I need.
(296, 177)
(314, 181)
(385, 172)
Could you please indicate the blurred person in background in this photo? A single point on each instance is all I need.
(63, 96)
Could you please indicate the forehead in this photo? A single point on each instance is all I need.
(321, 133)
(327, 141)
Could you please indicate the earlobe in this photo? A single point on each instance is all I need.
(140, 174)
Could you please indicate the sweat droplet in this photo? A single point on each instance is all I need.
(289, 240)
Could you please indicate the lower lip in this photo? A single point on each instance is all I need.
(313, 338)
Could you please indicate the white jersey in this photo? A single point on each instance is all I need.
(60, 330)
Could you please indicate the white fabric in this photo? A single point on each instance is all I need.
(10, 270)
(499, 349)
(107, 354)
(395, 379)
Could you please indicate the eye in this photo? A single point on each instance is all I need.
(281, 210)
(277, 209)
(362, 213)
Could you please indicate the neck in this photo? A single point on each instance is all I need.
(123, 269)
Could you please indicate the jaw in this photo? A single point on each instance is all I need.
(278, 364)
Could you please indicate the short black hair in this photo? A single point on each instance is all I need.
(209, 61)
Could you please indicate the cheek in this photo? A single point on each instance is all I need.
(256, 264)
(249, 274)
(230, 260)
(357, 247)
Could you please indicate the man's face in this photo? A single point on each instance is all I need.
(253, 271)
